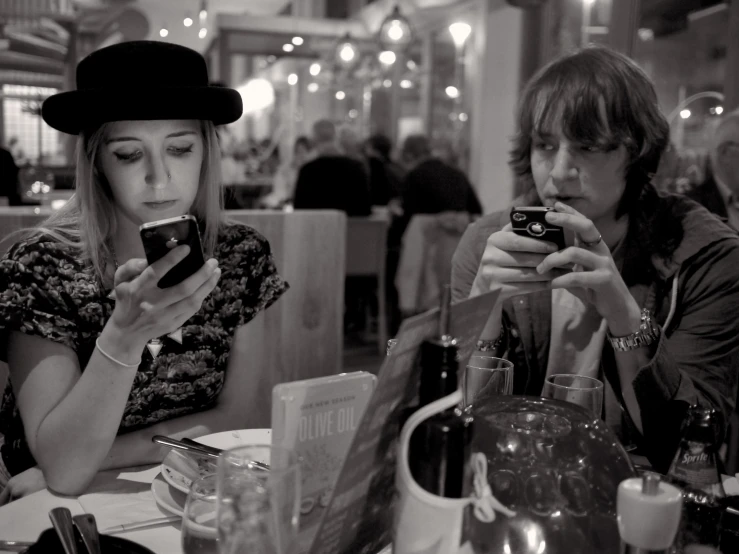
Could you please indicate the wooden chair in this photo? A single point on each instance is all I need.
(301, 335)
(366, 252)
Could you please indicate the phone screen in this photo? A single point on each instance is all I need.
(160, 237)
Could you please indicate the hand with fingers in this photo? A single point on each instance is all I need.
(595, 278)
(23, 484)
(509, 265)
(144, 311)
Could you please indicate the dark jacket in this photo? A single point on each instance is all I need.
(333, 183)
(694, 297)
(433, 187)
(9, 178)
(708, 195)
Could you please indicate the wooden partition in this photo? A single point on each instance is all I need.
(301, 335)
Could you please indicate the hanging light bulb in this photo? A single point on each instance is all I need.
(387, 57)
(347, 53)
(203, 15)
(460, 31)
(395, 31)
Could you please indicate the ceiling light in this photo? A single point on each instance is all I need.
(340, 95)
(353, 113)
(452, 92)
(188, 22)
(387, 83)
(297, 41)
(685, 114)
(387, 57)
(292, 79)
(719, 110)
(395, 30)
(460, 31)
(202, 32)
(287, 47)
(312, 87)
(315, 68)
(163, 32)
(405, 83)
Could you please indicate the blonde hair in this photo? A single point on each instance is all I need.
(87, 222)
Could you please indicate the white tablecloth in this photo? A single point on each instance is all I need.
(115, 497)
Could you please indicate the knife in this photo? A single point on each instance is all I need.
(194, 447)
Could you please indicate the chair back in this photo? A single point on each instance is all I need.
(301, 335)
(366, 246)
(426, 255)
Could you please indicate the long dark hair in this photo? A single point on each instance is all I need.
(603, 98)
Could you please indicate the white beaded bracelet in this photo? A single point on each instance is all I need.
(112, 359)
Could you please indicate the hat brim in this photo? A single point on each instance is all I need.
(73, 111)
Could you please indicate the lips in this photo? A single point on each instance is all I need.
(160, 204)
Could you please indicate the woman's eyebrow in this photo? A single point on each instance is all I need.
(180, 134)
(120, 139)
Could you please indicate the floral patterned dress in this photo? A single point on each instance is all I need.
(46, 291)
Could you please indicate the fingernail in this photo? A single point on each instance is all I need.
(217, 271)
(186, 249)
(552, 248)
(212, 263)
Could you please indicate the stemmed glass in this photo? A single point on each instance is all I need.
(258, 510)
(576, 389)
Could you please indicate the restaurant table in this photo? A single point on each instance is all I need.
(121, 497)
(114, 498)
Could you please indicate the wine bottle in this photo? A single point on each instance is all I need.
(439, 447)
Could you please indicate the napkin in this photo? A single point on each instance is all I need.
(123, 498)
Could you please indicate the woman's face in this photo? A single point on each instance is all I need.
(587, 177)
(153, 167)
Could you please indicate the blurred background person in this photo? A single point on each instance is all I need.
(287, 174)
(333, 180)
(9, 178)
(431, 185)
(385, 176)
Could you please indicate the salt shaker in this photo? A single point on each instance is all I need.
(649, 512)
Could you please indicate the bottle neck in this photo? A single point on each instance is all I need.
(439, 367)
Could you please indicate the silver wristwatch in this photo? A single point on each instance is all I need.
(647, 334)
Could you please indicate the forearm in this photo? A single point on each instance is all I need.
(74, 438)
(136, 448)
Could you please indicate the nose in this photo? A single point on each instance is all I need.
(564, 170)
(157, 172)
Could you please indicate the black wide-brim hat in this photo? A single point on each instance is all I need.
(141, 80)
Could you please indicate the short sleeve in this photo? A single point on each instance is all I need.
(249, 282)
(34, 294)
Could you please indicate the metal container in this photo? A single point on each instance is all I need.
(558, 468)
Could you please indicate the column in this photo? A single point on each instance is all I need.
(731, 80)
(496, 44)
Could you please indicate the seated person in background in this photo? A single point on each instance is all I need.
(637, 264)
(284, 180)
(332, 181)
(100, 358)
(719, 192)
(9, 178)
(432, 186)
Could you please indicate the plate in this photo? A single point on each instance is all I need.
(179, 469)
(167, 497)
(48, 543)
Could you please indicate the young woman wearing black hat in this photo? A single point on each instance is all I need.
(101, 358)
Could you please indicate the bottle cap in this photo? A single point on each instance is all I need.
(648, 512)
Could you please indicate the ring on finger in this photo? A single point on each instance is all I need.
(590, 244)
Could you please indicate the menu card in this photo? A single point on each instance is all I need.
(317, 418)
(359, 518)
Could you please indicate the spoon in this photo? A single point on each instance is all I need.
(88, 529)
(61, 519)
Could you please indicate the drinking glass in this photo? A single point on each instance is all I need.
(258, 510)
(577, 389)
(199, 532)
(486, 377)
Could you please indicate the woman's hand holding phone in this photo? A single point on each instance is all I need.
(144, 311)
(509, 265)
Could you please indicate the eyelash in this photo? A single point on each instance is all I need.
(130, 158)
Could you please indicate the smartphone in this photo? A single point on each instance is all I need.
(159, 237)
(530, 221)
